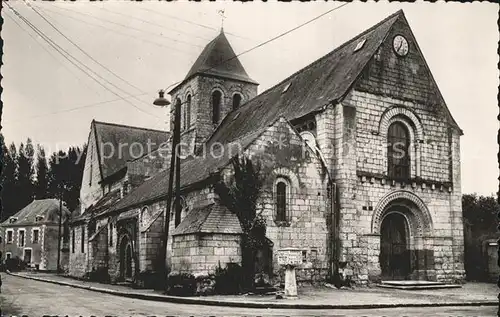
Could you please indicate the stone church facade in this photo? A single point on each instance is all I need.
(361, 159)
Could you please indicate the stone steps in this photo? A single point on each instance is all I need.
(416, 285)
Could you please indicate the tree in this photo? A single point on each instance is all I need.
(42, 170)
(240, 197)
(26, 173)
(8, 179)
(65, 175)
(480, 224)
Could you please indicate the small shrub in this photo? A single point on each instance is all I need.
(99, 275)
(228, 280)
(181, 284)
(151, 280)
(15, 264)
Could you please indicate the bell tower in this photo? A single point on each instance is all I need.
(215, 85)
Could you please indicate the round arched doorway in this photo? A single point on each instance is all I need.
(394, 247)
(125, 258)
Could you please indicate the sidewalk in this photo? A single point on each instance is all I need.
(471, 294)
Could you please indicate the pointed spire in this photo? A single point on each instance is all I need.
(218, 59)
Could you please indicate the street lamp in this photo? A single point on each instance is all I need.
(161, 101)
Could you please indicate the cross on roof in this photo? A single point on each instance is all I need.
(221, 13)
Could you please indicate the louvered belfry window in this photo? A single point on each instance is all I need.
(398, 151)
(216, 100)
(236, 101)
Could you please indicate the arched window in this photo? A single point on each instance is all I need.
(281, 200)
(216, 100)
(178, 212)
(236, 101)
(143, 215)
(398, 151)
(188, 112)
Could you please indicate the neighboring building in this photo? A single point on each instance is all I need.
(32, 235)
(333, 187)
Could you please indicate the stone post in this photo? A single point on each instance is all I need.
(290, 258)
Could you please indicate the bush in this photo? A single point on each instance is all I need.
(98, 275)
(181, 284)
(151, 280)
(229, 280)
(15, 264)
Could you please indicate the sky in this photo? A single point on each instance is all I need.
(133, 49)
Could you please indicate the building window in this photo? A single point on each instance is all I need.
(398, 151)
(73, 241)
(178, 213)
(236, 101)
(281, 200)
(216, 100)
(12, 219)
(110, 234)
(187, 113)
(38, 218)
(8, 255)
(36, 235)
(21, 234)
(82, 246)
(10, 236)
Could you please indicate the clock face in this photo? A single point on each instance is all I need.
(400, 45)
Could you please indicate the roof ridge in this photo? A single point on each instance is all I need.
(270, 89)
(129, 126)
(400, 11)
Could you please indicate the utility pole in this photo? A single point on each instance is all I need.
(174, 166)
(59, 232)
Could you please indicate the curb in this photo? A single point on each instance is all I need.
(211, 302)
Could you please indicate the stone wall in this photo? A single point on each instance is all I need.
(78, 260)
(99, 247)
(201, 254)
(91, 190)
(395, 88)
(201, 88)
(308, 207)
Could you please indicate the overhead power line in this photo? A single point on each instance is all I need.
(76, 108)
(153, 23)
(112, 30)
(247, 51)
(270, 40)
(81, 49)
(192, 23)
(59, 49)
(7, 14)
(119, 24)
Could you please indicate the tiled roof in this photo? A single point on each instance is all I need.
(116, 140)
(100, 207)
(212, 218)
(308, 90)
(46, 208)
(96, 234)
(218, 59)
(128, 215)
(192, 170)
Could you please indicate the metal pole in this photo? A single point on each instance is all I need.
(175, 142)
(59, 234)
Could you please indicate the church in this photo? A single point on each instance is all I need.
(360, 158)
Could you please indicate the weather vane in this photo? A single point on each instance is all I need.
(221, 13)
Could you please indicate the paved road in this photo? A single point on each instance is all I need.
(33, 298)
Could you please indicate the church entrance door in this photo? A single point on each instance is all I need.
(394, 253)
(125, 259)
